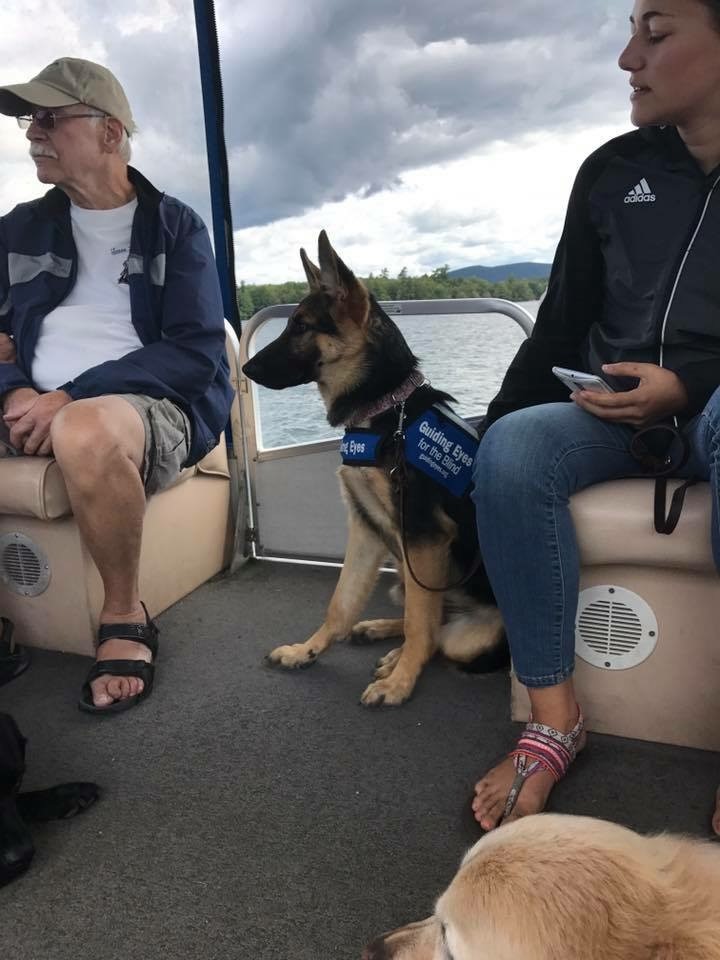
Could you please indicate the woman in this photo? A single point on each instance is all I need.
(634, 294)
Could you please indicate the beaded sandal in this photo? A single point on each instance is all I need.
(542, 748)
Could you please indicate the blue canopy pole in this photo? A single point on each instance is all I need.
(209, 55)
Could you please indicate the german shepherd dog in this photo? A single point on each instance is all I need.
(340, 338)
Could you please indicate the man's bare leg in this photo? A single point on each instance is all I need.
(554, 706)
(99, 445)
(716, 815)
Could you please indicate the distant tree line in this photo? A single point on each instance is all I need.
(430, 286)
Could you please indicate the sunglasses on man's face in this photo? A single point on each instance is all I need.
(46, 119)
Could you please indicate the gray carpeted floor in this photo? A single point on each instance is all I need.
(250, 812)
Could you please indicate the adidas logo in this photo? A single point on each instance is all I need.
(640, 193)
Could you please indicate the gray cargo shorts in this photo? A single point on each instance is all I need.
(167, 440)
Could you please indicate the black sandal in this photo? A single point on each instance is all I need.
(145, 633)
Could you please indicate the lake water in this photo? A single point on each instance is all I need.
(465, 355)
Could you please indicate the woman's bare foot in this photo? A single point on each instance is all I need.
(716, 815)
(491, 793)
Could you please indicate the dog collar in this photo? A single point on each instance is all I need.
(389, 400)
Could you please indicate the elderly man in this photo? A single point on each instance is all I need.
(113, 354)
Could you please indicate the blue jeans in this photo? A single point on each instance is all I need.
(528, 465)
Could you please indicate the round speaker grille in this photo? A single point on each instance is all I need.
(24, 568)
(615, 629)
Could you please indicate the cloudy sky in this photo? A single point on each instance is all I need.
(417, 133)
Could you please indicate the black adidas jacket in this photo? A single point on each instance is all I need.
(636, 276)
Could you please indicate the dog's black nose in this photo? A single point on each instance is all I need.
(253, 370)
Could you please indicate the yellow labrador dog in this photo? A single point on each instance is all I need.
(555, 887)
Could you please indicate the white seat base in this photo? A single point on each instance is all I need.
(674, 695)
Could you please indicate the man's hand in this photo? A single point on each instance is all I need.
(659, 394)
(16, 403)
(7, 349)
(31, 431)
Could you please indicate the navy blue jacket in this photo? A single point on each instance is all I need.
(175, 303)
(635, 276)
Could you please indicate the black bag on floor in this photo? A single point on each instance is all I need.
(18, 809)
(12, 756)
(16, 845)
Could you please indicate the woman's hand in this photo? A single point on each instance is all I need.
(659, 394)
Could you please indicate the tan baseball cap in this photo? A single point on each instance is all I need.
(67, 81)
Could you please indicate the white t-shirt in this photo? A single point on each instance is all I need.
(92, 324)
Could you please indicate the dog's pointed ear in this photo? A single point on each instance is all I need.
(311, 272)
(337, 279)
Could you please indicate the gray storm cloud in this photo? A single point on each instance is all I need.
(331, 98)
(342, 97)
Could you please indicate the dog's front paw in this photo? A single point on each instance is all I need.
(363, 633)
(370, 631)
(386, 664)
(390, 692)
(292, 656)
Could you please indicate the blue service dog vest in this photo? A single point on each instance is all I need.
(438, 442)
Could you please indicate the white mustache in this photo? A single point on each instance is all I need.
(37, 151)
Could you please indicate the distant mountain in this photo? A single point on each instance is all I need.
(520, 271)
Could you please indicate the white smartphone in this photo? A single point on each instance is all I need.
(576, 380)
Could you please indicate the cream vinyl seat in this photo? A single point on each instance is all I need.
(671, 692)
(49, 586)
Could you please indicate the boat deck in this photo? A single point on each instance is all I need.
(251, 812)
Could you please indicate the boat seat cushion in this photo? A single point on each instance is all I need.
(34, 486)
(614, 522)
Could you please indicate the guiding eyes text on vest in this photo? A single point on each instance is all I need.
(92, 324)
